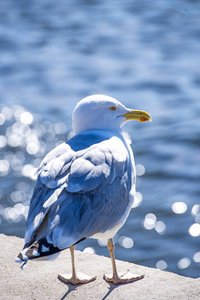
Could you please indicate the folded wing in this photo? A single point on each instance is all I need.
(83, 188)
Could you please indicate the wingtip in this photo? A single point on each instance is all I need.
(22, 262)
(17, 259)
(23, 265)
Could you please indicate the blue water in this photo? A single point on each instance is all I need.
(145, 54)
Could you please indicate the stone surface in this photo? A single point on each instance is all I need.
(39, 279)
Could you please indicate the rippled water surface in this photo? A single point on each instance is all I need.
(145, 54)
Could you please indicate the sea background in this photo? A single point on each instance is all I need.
(147, 55)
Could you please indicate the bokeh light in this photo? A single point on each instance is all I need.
(184, 263)
(4, 167)
(196, 257)
(160, 227)
(194, 230)
(89, 250)
(179, 207)
(161, 264)
(29, 171)
(26, 118)
(102, 243)
(126, 242)
(2, 119)
(3, 141)
(7, 112)
(16, 196)
(140, 170)
(195, 210)
(149, 221)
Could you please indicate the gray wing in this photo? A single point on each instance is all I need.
(50, 182)
(80, 193)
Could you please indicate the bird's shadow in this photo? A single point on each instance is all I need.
(71, 288)
(112, 287)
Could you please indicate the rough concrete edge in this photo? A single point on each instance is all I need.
(155, 283)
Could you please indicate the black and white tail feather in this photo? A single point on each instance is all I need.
(39, 249)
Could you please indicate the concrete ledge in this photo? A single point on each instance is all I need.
(39, 279)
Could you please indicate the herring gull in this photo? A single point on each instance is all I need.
(85, 187)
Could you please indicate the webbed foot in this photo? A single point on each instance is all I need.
(80, 278)
(122, 278)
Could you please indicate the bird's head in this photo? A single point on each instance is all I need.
(100, 112)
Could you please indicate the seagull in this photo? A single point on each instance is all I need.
(85, 187)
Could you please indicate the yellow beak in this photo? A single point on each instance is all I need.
(138, 115)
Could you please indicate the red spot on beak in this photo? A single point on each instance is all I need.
(143, 119)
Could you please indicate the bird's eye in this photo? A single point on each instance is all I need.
(112, 108)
